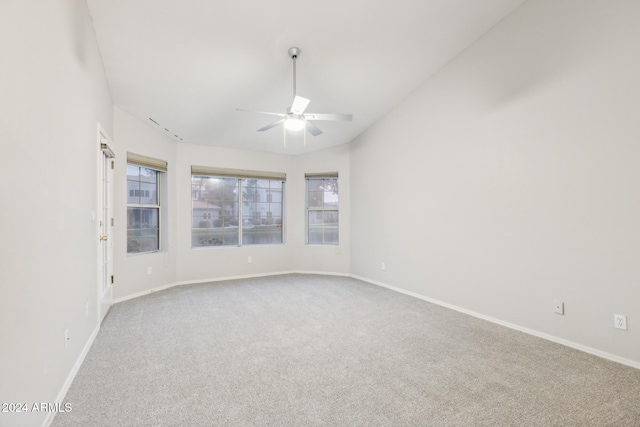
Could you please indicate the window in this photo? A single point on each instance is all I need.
(261, 211)
(143, 203)
(234, 208)
(322, 208)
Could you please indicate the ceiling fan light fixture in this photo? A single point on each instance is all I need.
(294, 123)
(295, 119)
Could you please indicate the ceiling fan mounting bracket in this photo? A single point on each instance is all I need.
(294, 52)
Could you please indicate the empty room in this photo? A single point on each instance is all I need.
(338, 213)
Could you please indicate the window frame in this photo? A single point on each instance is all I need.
(323, 209)
(240, 176)
(160, 168)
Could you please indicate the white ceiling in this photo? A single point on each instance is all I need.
(189, 64)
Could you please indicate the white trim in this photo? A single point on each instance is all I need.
(72, 375)
(244, 276)
(533, 332)
(76, 367)
(103, 138)
(105, 147)
(147, 292)
(322, 273)
(580, 347)
(194, 282)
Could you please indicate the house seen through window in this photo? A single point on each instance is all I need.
(322, 209)
(143, 203)
(236, 210)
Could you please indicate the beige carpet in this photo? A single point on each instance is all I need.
(305, 350)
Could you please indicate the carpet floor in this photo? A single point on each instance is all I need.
(308, 350)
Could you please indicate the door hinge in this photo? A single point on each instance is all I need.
(113, 164)
(112, 222)
(112, 279)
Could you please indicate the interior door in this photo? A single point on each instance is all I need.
(105, 252)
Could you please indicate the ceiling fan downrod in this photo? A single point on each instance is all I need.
(293, 53)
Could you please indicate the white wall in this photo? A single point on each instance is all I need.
(53, 94)
(179, 263)
(220, 262)
(132, 135)
(510, 179)
(321, 258)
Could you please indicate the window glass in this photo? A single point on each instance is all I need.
(142, 230)
(322, 211)
(234, 212)
(143, 210)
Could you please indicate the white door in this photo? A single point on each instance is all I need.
(105, 216)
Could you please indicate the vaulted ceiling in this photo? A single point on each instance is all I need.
(189, 64)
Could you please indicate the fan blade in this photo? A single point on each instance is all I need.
(267, 127)
(261, 112)
(299, 105)
(311, 128)
(336, 117)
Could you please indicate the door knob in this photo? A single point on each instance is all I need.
(103, 238)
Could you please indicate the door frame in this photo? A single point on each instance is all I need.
(105, 157)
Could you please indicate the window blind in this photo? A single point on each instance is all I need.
(147, 162)
(237, 173)
(321, 175)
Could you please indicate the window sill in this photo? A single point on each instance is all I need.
(198, 248)
(135, 254)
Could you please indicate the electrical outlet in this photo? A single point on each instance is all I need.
(620, 321)
(149, 270)
(558, 307)
(249, 260)
(384, 267)
(66, 338)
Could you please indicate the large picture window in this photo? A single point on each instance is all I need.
(143, 203)
(322, 209)
(235, 208)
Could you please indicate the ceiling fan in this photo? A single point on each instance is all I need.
(295, 119)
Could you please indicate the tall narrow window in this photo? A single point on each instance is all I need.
(143, 203)
(322, 208)
(236, 207)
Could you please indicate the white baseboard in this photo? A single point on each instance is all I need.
(194, 282)
(221, 279)
(244, 276)
(322, 273)
(72, 375)
(533, 332)
(147, 292)
(76, 367)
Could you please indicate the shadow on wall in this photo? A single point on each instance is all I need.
(79, 29)
(504, 79)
